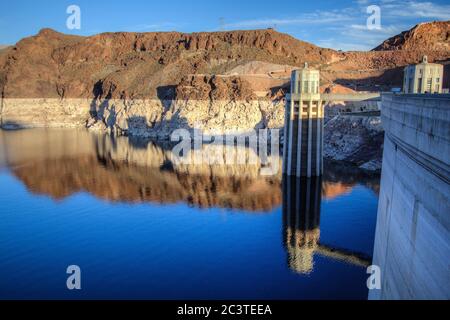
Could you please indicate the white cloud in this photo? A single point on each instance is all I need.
(358, 37)
(359, 29)
(415, 9)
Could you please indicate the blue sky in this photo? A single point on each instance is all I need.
(335, 24)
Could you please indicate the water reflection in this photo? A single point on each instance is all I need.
(123, 210)
(302, 198)
(301, 220)
(60, 163)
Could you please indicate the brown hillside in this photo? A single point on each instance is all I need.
(148, 65)
(432, 35)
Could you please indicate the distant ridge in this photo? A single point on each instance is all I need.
(431, 35)
(149, 65)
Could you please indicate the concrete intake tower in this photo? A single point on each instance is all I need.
(303, 129)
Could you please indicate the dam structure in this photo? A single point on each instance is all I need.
(412, 242)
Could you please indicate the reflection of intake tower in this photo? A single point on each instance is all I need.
(301, 213)
(301, 226)
(303, 129)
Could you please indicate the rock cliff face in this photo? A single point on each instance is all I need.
(151, 65)
(435, 36)
(137, 65)
(213, 88)
(355, 139)
(151, 118)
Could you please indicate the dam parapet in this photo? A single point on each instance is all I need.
(412, 244)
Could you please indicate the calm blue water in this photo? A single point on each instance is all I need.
(73, 198)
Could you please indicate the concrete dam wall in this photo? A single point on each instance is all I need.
(412, 244)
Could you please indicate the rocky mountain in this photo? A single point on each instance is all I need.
(150, 65)
(137, 65)
(434, 36)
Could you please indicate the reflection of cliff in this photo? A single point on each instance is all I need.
(116, 173)
(332, 190)
(344, 177)
(120, 181)
(301, 226)
(60, 163)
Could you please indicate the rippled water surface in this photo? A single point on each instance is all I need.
(141, 226)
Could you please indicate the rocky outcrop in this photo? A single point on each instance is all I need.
(355, 139)
(213, 88)
(152, 118)
(434, 36)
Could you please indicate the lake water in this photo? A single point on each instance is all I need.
(142, 227)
